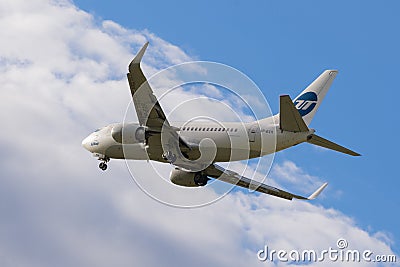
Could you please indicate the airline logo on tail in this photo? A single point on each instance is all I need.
(306, 103)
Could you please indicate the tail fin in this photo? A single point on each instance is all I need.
(308, 102)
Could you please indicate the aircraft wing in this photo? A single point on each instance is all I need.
(218, 172)
(148, 109)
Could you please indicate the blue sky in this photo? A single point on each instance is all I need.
(284, 45)
(62, 71)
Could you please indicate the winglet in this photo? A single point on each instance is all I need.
(138, 56)
(317, 192)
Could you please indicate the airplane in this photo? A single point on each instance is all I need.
(155, 138)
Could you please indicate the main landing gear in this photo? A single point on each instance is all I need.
(169, 156)
(200, 179)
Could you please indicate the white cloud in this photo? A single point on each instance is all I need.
(289, 173)
(62, 75)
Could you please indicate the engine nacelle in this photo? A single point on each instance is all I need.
(128, 133)
(188, 179)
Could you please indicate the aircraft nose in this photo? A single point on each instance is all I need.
(86, 142)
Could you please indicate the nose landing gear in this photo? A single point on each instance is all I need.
(103, 166)
(103, 163)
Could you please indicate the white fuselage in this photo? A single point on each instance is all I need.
(231, 141)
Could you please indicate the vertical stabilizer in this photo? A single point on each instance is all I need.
(308, 102)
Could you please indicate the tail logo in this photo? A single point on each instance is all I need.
(306, 103)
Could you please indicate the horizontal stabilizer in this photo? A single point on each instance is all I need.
(289, 117)
(319, 141)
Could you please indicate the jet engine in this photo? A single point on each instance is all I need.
(128, 133)
(188, 179)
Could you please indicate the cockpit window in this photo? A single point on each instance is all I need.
(100, 129)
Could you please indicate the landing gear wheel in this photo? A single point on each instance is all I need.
(169, 156)
(103, 166)
(103, 163)
(200, 179)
